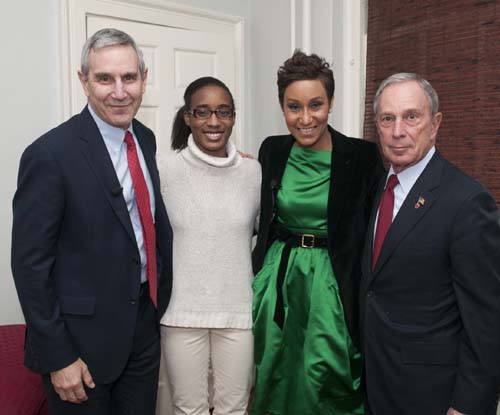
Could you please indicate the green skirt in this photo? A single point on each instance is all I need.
(310, 367)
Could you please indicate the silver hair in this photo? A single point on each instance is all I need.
(109, 37)
(397, 78)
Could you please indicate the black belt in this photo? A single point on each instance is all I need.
(291, 240)
(304, 240)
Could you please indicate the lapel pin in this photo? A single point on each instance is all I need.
(420, 202)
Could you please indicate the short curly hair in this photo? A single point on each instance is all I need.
(301, 66)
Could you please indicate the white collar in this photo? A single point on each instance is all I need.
(195, 152)
(113, 136)
(410, 175)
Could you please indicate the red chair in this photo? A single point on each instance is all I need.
(21, 391)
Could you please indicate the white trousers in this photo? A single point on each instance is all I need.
(189, 352)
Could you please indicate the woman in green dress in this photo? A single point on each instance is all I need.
(317, 190)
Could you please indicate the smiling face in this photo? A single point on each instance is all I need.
(211, 134)
(406, 127)
(114, 86)
(306, 108)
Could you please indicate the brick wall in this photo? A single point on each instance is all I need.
(455, 45)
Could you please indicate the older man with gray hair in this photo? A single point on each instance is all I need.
(91, 244)
(430, 288)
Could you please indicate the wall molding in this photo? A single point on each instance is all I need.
(336, 30)
(306, 26)
(293, 25)
(352, 68)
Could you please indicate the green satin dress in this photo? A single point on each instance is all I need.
(310, 367)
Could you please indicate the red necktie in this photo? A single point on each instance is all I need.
(143, 204)
(384, 216)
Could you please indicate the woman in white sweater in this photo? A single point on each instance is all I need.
(212, 196)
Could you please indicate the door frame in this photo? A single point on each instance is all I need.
(72, 35)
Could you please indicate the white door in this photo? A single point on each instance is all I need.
(174, 57)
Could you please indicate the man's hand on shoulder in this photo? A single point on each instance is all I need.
(68, 382)
(452, 411)
(246, 155)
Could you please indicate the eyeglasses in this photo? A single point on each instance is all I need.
(204, 113)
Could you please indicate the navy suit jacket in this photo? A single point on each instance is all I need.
(75, 260)
(430, 310)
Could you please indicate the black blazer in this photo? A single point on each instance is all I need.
(430, 310)
(356, 169)
(75, 259)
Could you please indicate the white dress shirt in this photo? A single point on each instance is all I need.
(406, 179)
(114, 139)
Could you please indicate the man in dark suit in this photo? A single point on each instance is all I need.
(430, 289)
(91, 244)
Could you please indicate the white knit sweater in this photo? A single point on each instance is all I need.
(212, 203)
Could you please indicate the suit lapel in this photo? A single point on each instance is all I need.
(279, 159)
(368, 249)
(97, 156)
(412, 211)
(342, 168)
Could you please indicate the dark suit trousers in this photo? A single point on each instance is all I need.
(134, 392)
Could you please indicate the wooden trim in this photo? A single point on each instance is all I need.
(306, 26)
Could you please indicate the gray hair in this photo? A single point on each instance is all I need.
(401, 77)
(109, 37)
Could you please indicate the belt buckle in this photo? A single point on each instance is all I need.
(303, 241)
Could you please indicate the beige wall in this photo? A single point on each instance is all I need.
(31, 84)
(29, 106)
(30, 89)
